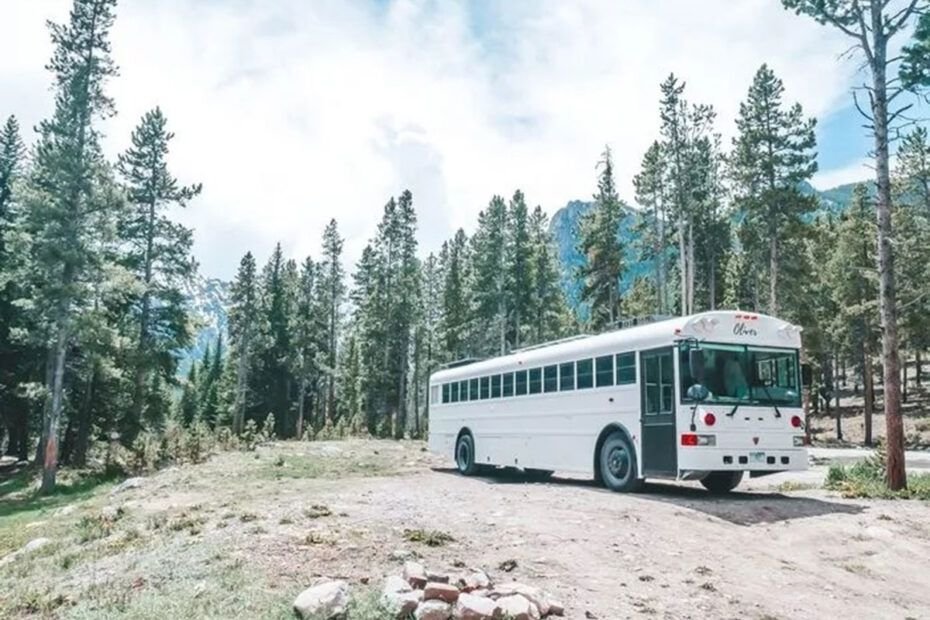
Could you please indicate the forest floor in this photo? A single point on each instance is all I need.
(242, 534)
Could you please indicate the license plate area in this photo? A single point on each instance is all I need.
(757, 457)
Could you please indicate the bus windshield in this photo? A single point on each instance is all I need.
(745, 375)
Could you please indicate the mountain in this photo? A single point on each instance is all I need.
(207, 300)
(564, 229)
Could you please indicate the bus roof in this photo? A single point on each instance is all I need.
(724, 326)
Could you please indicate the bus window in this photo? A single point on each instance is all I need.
(472, 389)
(551, 378)
(535, 380)
(626, 368)
(463, 390)
(567, 377)
(604, 367)
(454, 397)
(445, 393)
(496, 386)
(585, 370)
(434, 395)
(520, 383)
(508, 385)
(485, 387)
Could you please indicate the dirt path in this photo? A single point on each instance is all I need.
(272, 522)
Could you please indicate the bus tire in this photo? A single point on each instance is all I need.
(465, 455)
(720, 482)
(617, 464)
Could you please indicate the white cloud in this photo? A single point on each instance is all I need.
(858, 171)
(291, 112)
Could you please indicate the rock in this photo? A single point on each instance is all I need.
(415, 574)
(402, 604)
(401, 555)
(556, 608)
(325, 601)
(393, 583)
(533, 595)
(442, 591)
(437, 577)
(477, 580)
(129, 483)
(471, 607)
(517, 607)
(35, 543)
(433, 610)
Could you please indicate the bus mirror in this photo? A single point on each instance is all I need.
(696, 363)
(807, 375)
(698, 393)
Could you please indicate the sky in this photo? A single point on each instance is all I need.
(292, 112)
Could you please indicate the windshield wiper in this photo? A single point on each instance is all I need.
(765, 389)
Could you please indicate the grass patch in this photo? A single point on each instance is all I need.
(866, 479)
(318, 511)
(368, 605)
(789, 486)
(431, 538)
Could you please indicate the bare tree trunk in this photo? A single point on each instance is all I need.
(917, 367)
(773, 276)
(53, 414)
(683, 268)
(894, 433)
(904, 378)
(868, 389)
(690, 266)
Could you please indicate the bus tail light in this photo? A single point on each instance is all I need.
(710, 419)
(796, 421)
(690, 439)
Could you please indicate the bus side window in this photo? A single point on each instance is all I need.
(567, 376)
(434, 395)
(496, 386)
(604, 369)
(585, 370)
(485, 387)
(535, 380)
(551, 378)
(626, 368)
(445, 393)
(508, 385)
(520, 383)
(473, 389)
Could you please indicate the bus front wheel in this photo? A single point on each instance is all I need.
(617, 464)
(720, 482)
(465, 455)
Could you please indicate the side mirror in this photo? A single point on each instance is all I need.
(807, 375)
(697, 393)
(696, 363)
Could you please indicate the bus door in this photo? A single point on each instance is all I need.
(657, 397)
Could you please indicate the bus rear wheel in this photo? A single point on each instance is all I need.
(720, 482)
(465, 455)
(617, 464)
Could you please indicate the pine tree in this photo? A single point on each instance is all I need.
(244, 330)
(549, 310)
(405, 313)
(188, 407)
(332, 291)
(604, 261)
(306, 337)
(772, 155)
(651, 195)
(519, 272)
(68, 211)
(13, 409)
(158, 254)
(273, 378)
(872, 28)
(489, 280)
(455, 327)
(854, 283)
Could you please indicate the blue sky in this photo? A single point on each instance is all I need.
(294, 112)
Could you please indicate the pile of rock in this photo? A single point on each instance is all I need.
(470, 596)
(426, 595)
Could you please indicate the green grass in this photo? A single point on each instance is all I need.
(431, 538)
(304, 466)
(866, 479)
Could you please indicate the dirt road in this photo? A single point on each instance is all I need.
(241, 535)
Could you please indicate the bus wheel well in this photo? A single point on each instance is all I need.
(616, 426)
(465, 431)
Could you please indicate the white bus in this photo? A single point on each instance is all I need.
(704, 397)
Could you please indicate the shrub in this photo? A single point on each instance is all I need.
(866, 479)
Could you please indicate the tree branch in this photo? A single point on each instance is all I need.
(865, 115)
(896, 21)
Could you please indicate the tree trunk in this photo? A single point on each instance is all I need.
(241, 386)
(773, 275)
(683, 268)
(894, 433)
(917, 367)
(53, 414)
(302, 390)
(690, 266)
(82, 439)
(868, 389)
(904, 378)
